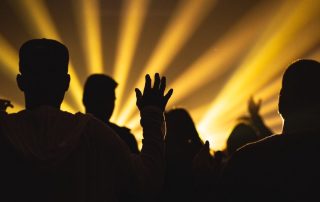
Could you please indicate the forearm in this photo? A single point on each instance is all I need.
(152, 163)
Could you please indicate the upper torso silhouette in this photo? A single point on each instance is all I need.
(283, 167)
(51, 155)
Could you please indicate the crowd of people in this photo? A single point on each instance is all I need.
(52, 155)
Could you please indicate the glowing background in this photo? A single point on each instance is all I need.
(215, 53)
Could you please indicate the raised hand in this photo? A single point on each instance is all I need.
(153, 96)
(254, 107)
(4, 104)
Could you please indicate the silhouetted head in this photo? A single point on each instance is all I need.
(181, 129)
(44, 78)
(300, 92)
(99, 96)
(241, 135)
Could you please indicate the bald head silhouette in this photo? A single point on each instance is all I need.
(300, 89)
(43, 67)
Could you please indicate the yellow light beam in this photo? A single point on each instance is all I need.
(90, 29)
(8, 58)
(134, 13)
(186, 20)
(262, 55)
(36, 15)
(217, 59)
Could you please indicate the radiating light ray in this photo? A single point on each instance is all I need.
(36, 16)
(133, 17)
(216, 60)
(186, 20)
(90, 29)
(8, 58)
(268, 49)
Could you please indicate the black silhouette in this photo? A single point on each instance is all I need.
(241, 135)
(4, 104)
(99, 100)
(255, 120)
(283, 167)
(182, 144)
(50, 155)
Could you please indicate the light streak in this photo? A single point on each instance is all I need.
(134, 13)
(89, 21)
(187, 18)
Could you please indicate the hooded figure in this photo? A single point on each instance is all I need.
(51, 155)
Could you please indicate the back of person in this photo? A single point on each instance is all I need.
(51, 155)
(45, 160)
(283, 167)
(279, 168)
(182, 144)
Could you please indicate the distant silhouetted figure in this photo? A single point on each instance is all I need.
(182, 144)
(254, 119)
(99, 100)
(241, 135)
(283, 167)
(51, 155)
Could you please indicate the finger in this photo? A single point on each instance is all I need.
(207, 145)
(156, 81)
(167, 96)
(147, 85)
(138, 94)
(162, 85)
(10, 105)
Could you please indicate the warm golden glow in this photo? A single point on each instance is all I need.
(248, 59)
(8, 58)
(271, 47)
(134, 13)
(36, 16)
(187, 18)
(89, 28)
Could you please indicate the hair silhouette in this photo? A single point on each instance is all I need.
(182, 144)
(241, 135)
(43, 77)
(99, 96)
(99, 100)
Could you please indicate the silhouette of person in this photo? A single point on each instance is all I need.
(283, 167)
(182, 144)
(241, 135)
(99, 100)
(255, 120)
(51, 155)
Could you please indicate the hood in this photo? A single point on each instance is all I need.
(46, 134)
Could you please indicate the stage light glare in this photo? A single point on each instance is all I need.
(8, 59)
(90, 29)
(271, 47)
(133, 17)
(37, 16)
(186, 20)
